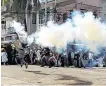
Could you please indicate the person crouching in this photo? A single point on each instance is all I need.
(52, 60)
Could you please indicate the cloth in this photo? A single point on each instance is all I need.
(21, 53)
(38, 54)
(4, 57)
(52, 59)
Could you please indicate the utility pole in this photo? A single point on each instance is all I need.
(55, 11)
(45, 12)
(26, 16)
(37, 18)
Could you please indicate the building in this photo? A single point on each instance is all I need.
(60, 10)
(103, 11)
(57, 10)
(8, 34)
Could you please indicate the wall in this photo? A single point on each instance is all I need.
(30, 26)
(90, 2)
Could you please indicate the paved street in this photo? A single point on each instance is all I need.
(35, 75)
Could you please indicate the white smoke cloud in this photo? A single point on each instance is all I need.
(19, 28)
(55, 35)
(84, 28)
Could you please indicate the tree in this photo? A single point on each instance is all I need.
(18, 8)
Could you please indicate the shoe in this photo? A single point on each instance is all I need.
(26, 66)
(42, 65)
(49, 66)
(21, 65)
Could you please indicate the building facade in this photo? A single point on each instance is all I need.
(103, 11)
(59, 10)
(8, 34)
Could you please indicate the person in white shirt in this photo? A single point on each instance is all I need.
(4, 58)
(90, 56)
(38, 55)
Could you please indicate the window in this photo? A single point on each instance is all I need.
(3, 26)
(48, 13)
(3, 22)
(42, 16)
(9, 38)
(11, 30)
(2, 39)
(34, 18)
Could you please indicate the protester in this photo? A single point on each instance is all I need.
(38, 53)
(14, 56)
(34, 59)
(65, 58)
(22, 58)
(9, 53)
(31, 56)
(4, 58)
(76, 59)
(45, 56)
(52, 60)
(90, 56)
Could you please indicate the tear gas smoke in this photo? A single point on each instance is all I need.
(19, 28)
(84, 28)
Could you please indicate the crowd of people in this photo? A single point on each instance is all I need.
(44, 56)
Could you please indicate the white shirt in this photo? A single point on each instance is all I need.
(38, 54)
(90, 56)
(4, 56)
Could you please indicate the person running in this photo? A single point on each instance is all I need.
(22, 58)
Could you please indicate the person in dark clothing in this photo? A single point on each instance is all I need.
(62, 61)
(45, 56)
(9, 54)
(27, 58)
(43, 61)
(61, 57)
(76, 59)
(27, 55)
(34, 58)
(14, 56)
(17, 60)
(69, 59)
(22, 58)
(47, 51)
(52, 60)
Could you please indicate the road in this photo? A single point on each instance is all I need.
(36, 75)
